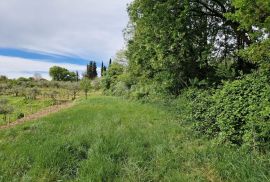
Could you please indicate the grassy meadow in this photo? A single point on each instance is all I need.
(110, 139)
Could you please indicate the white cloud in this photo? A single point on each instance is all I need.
(85, 28)
(14, 67)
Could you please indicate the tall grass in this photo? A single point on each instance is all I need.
(110, 139)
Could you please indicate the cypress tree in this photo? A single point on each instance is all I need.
(91, 71)
(102, 68)
(94, 70)
(110, 62)
(77, 76)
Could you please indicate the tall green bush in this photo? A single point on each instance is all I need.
(238, 113)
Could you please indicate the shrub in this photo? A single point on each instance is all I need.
(120, 89)
(53, 95)
(5, 108)
(85, 85)
(238, 113)
(96, 83)
(20, 116)
(203, 112)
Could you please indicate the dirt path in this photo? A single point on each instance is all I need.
(39, 114)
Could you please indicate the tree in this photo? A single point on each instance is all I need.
(53, 95)
(102, 65)
(253, 18)
(120, 57)
(74, 88)
(110, 62)
(191, 39)
(16, 90)
(103, 69)
(3, 78)
(112, 74)
(94, 70)
(91, 71)
(85, 85)
(33, 93)
(77, 76)
(5, 109)
(61, 74)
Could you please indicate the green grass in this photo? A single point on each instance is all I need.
(20, 105)
(110, 139)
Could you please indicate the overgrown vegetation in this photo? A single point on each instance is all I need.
(216, 50)
(110, 139)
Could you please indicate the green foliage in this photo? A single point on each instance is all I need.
(3, 78)
(5, 108)
(254, 18)
(252, 14)
(85, 85)
(73, 88)
(62, 74)
(238, 113)
(258, 53)
(187, 44)
(20, 105)
(96, 84)
(110, 79)
(33, 93)
(53, 95)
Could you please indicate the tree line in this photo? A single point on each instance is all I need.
(58, 73)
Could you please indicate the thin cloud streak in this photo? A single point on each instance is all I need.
(82, 28)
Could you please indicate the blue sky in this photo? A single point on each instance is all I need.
(37, 34)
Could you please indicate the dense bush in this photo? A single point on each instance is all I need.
(111, 78)
(238, 113)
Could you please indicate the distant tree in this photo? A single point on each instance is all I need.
(5, 109)
(16, 90)
(3, 78)
(91, 70)
(85, 85)
(72, 76)
(33, 93)
(102, 65)
(77, 76)
(103, 69)
(94, 70)
(110, 62)
(23, 79)
(3, 88)
(61, 74)
(74, 88)
(53, 95)
(58, 73)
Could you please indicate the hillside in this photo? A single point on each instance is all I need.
(110, 139)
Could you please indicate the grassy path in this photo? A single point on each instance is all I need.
(109, 139)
